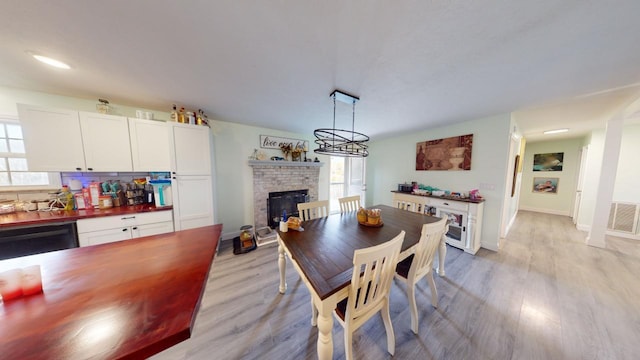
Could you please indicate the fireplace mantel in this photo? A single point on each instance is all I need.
(284, 163)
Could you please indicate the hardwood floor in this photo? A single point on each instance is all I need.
(545, 295)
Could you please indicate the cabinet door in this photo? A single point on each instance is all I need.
(52, 139)
(152, 229)
(192, 149)
(104, 236)
(192, 202)
(150, 145)
(105, 139)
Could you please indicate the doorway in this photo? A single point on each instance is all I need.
(347, 178)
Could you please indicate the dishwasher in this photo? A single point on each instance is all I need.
(35, 239)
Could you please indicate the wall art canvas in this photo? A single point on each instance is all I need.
(452, 153)
(548, 162)
(545, 185)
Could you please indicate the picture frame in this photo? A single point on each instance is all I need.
(545, 185)
(548, 161)
(453, 153)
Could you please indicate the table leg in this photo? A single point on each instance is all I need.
(442, 253)
(325, 327)
(282, 267)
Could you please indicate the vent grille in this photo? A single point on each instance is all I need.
(623, 217)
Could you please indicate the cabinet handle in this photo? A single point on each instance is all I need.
(445, 203)
(135, 228)
(125, 229)
(79, 169)
(127, 217)
(173, 172)
(174, 178)
(90, 169)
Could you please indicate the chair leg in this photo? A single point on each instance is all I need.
(348, 346)
(314, 314)
(411, 295)
(434, 292)
(386, 318)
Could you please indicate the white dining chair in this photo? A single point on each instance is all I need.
(409, 202)
(420, 264)
(313, 210)
(373, 270)
(349, 203)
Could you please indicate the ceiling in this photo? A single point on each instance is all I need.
(273, 63)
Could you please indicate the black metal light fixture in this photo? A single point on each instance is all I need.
(338, 142)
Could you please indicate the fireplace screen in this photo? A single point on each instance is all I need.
(284, 201)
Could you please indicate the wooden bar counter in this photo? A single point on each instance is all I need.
(128, 299)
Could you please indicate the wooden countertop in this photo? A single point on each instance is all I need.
(128, 299)
(42, 217)
(453, 198)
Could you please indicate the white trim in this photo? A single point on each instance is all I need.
(583, 227)
(513, 219)
(623, 235)
(545, 211)
(493, 246)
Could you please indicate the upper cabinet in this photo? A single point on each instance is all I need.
(52, 138)
(64, 140)
(105, 139)
(150, 145)
(192, 149)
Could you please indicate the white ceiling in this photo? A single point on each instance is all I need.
(273, 63)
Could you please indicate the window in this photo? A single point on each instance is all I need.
(346, 179)
(14, 170)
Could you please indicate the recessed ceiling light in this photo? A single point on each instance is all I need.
(556, 131)
(53, 62)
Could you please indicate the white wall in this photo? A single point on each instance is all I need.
(234, 143)
(9, 97)
(562, 202)
(627, 188)
(392, 161)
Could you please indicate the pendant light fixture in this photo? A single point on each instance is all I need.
(338, 142)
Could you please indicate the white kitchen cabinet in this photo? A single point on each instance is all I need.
(192, 149)
(64, 140)
(192, 201)
(105, 139)
(465, 219)
(107, 229)
(53, 138)
(150, 145)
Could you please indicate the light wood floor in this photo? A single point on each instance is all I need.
(545, 295)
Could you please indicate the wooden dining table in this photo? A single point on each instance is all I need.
(123, 300)
(323, 256)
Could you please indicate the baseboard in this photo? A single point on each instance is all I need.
(545, 211)
(623, 235)
(583, 227)
(492, 247)
(229, 235)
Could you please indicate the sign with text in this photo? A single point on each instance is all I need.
(274, 142)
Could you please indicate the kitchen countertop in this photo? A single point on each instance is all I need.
(43, 217)
(454, 198)
(122, 300)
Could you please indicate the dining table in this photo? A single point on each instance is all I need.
(123, 300)
(322, 253)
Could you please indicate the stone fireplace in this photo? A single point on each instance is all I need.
(279, 176)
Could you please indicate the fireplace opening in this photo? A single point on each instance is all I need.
(284, 201)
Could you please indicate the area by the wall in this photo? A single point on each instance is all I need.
(560, 202)
(392, 161)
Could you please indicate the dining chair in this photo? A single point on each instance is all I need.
(349, 203)
(373, 270)
(419, 265)
(313, 210)
(409, 202)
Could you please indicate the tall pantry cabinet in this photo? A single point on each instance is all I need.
(191, 173)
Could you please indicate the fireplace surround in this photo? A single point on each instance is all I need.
(279, 176)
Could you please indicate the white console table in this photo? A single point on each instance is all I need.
(465, 217)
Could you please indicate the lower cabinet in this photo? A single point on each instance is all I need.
(465, 218)
(108, 229)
